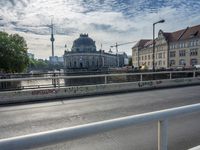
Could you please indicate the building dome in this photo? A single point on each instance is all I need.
(84, 44)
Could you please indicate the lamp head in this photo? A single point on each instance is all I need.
(161, 21)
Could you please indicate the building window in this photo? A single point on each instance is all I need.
(81, 65)
(159, 62)
(193, 62)
(174, 46)
(181, 44)
(75, 64)
(172, 62)
(194, 52)
(191, 43)
(182, 53)
(160, 55)
(182, 62)
(149, 57)
(196, 42)
(171, 47)
(93, 63)
(145, 57)
(172, 54)
(163, 62)
(163, 54)
(87, 63)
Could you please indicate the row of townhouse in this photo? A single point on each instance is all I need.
(176, 49)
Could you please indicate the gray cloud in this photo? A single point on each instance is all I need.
(110, 20)
(104, 27)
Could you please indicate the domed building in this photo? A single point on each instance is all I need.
(85, 57)
(84, 44)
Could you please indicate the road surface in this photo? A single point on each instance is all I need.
(184, 131)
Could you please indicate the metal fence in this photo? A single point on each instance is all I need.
(63, 80)
(65, 134)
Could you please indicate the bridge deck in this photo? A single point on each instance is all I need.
(183, 131)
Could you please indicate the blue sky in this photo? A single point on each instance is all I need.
(106, 21)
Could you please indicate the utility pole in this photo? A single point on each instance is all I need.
(161, 21)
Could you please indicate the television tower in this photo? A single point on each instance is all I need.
(52, 38)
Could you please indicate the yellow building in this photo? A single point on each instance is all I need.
(175, 49)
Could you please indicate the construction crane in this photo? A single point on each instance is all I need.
(117, 45)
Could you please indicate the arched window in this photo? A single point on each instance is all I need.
(74, 64)
(81, 65)
(93, 63)
(87, 63)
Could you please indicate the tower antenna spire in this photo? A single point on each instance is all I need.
(52, 39)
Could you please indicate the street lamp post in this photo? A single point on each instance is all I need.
(161, 21)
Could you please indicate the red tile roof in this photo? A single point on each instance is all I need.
(141, 43)
(184, 34)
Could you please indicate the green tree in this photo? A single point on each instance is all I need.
(39, 64)
(13, 53)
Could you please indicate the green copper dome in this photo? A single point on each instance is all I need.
(84, 44)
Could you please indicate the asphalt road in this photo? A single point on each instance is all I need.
(184, 131)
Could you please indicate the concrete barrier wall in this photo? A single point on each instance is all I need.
(74, 91)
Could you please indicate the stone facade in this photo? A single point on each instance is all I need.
(84, 56)
(89, 60)
(175, 49)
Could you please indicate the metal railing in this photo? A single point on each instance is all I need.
(60, 81)
(71, 133)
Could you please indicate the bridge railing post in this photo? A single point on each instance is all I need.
(170, 75)
(162, 134)
(141, 77)
(58, 82)
(105, 79)
(194, 74)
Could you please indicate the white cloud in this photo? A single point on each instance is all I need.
(106, 21)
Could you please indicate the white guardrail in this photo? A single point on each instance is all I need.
(65, 134)
(195, 148)
(71, 86)
(102, 75)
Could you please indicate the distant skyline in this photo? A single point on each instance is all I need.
(106, 21)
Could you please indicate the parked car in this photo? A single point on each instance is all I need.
(197, 67)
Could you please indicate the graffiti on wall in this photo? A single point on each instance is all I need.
(145, 83)
(84, 89)
(183, 80)
(77, 89)
(149, 83)
(45, 92)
